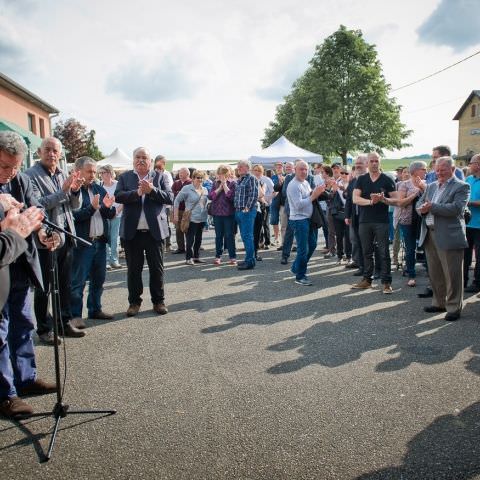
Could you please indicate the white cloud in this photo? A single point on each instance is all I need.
(454, 23)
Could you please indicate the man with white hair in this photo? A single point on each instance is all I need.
(144, 228)
(300, 200)
(59, 195)
(245, 203)
(183, 179)
(442, 207)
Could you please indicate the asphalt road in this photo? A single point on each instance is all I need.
(251, 376)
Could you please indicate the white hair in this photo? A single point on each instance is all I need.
(448, 160)
(13, 144)
(246, 163)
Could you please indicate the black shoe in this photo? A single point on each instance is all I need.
(294, 249)
(452, 316)
(245, 266)
(284, 261)
(176, 252)
(279, 249)
(358, 273)
(70, 331)
(433, 309)
(259, 259)
(472, 289)
(376, 276)
(427, 293)
(351, 265)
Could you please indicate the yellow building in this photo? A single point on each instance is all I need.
(469, 126)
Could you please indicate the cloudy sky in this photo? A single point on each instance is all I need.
(201, 80)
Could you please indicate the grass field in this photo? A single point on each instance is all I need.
(387, 164)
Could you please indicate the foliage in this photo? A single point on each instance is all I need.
(76, 140)
(341, 103)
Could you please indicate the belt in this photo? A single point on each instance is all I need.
(143, 230)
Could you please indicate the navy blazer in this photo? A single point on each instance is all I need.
(84, 214)
(153, 205)
(21, 188)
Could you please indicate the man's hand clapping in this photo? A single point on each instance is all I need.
(108, 200)
(23, 223)
(8, 202)
(144, 187)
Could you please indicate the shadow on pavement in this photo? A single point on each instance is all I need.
(449, 448)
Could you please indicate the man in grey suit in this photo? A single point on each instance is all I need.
(59, 194)
(443, 236)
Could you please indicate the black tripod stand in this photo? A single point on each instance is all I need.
(60, 409)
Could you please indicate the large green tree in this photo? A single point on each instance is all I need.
(77, 140)
(341, 103)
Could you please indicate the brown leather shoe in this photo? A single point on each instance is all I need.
(133, 309)
(364, 284)
(37, 387)
(70, 331)
(78, 323)
(101, 315)
(14, 406)
(160, 308)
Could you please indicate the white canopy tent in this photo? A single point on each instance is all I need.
(118, 159)
(199, 165)
(283, 150)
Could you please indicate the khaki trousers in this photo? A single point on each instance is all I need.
(445, 269)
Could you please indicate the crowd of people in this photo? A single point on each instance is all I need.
(366, 216)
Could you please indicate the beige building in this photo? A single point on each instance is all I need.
(469, 126)
(25, 113)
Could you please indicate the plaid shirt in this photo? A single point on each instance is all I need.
(246, 193)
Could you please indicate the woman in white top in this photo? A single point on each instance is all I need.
(108, 182)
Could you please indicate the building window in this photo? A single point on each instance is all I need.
(41, 124)
(32, 126)
(474, 110)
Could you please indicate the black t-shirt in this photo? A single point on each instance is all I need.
(377, 213)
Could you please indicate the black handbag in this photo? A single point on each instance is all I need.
(317, 220)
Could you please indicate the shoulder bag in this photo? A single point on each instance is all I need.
(187, 214)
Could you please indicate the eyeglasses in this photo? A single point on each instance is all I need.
(198, 178)
(343, 173)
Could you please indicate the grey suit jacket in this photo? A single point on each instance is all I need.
(56, 202)
(449, 224)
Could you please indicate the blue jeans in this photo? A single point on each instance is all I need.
(245, 221)
(89, 263)
(17, 355)
(410, 241)
(112, 246)
(224, 235)
(306, 238)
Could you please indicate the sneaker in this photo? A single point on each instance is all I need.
(108, 268)
(387, 288)
(339, 261)
(233, 261)
(412, 283)
(217, 261)
(116, 266)
(198, 260)
(48, 338)
(14, 406)
(363, 285)
(189, 262)
(304, 281)
(329, 255)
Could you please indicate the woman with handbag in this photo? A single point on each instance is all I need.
(195, 197)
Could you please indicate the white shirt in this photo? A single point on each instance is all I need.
(96, 222)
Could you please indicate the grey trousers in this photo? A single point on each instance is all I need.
(445, 269)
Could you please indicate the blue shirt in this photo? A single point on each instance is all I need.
(474, 183)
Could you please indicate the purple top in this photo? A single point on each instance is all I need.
(222, 204)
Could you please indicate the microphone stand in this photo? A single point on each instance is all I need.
(60, 409)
